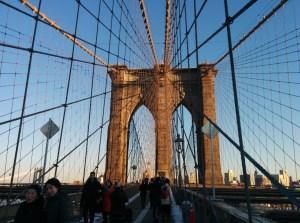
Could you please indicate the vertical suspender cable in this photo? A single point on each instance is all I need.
(237, 112)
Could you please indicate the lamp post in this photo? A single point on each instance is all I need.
(210, 131)
(178, 148)
(133, 167)
(48, 130)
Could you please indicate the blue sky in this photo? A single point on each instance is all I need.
(49, 77)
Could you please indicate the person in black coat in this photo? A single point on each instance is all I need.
(155, 189)
(56, 204)
(31, 210)
(90, 199)
(119, 212)
(143, 192)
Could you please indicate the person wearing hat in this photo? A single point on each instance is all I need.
(56, 204)
(31, 210)
(119, 212)
(91, 198)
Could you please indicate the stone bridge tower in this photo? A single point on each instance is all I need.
(161, 92)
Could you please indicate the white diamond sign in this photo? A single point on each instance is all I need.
(49, 129)
(209, 130)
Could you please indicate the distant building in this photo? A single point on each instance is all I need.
(192, 178)
(261, 181)
(250, 178)
(148, 173)
(291, 181)
(76, 182)
(283, 178)
(229, 177)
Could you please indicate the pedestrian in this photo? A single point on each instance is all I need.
(106, 204)
(165, 201)
(56, 204)
(90, 199)
(143, 192)
(119, 212)
(155, 189)
(31, 210)
(150, 186)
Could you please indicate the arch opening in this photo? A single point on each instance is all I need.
(141, 150)
(184, 146)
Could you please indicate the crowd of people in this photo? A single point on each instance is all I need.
(50, 208)
(53, 206)
(159, 191)
(110, 199)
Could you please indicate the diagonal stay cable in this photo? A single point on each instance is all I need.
(167, 32)
(281, 188)
(215, 33)
(147, 26)
(252, 31)
(63, 32)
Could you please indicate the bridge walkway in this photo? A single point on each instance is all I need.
(144, 215)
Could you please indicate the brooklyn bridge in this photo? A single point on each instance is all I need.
(203, 93)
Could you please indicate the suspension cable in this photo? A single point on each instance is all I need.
(167, 32)
(54, 25)
(147, 27)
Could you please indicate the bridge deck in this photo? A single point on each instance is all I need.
(145, 215)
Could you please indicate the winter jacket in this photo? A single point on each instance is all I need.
(91, 193)
(154, 195)
(57, 209)
(106, 205)
(30, 212)
(143, 189)
(118, 200)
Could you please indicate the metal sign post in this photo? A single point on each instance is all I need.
(48, 130)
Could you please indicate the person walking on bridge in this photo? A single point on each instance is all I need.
(119, 212)
(31, 210)
(106, 204)
(143, 192)
(165, 200)
(91, 198)
(57, 204)
(155, 188)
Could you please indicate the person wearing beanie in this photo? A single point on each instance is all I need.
(31, 210)
(56, 206)
(119, 212)
(91, 198)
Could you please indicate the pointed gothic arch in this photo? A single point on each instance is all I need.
(161, 92)
(141, 109)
